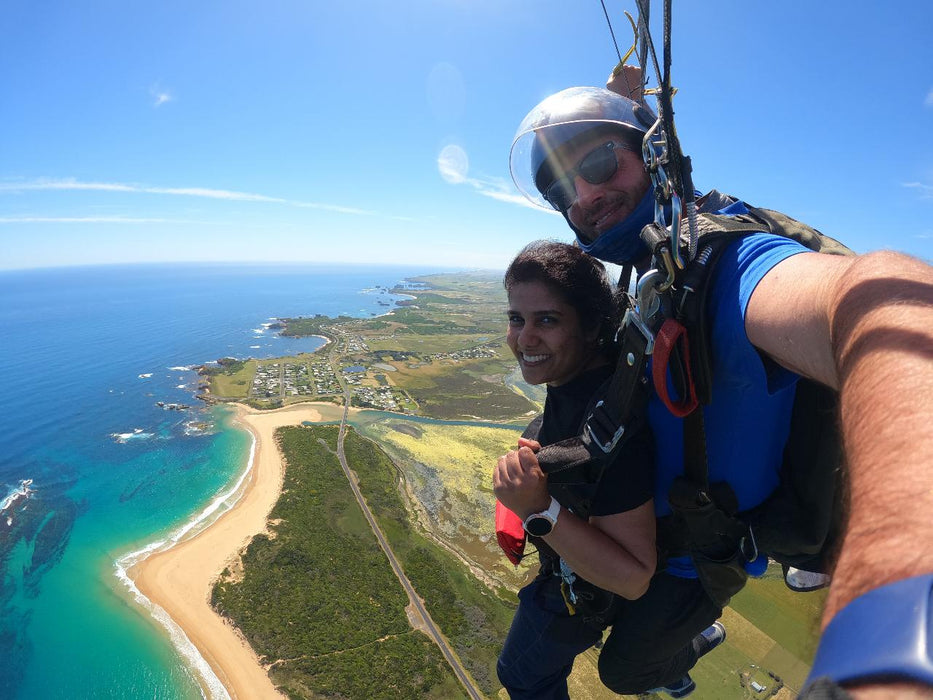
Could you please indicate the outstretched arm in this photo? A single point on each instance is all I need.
(865, 326)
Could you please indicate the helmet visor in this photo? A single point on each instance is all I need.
(562, 119)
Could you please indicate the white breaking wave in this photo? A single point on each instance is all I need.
(21, 491)
(137, 434)
(180, 640)
(180, 369)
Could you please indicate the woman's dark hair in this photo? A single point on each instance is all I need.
(579, 279)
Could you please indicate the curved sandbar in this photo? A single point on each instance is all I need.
(180, 579)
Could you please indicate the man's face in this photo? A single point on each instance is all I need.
(599, 207)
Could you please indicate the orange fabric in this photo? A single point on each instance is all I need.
(672, 331)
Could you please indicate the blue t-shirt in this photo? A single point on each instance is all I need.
(748, 420)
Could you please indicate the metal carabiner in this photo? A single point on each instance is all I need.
(649, 154)
(676, 215)
(648, 295)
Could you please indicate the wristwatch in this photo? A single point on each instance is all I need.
(883, 635)
(541, 524)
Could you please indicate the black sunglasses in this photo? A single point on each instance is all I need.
(596, 167)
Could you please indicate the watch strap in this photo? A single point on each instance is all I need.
(884, 634)
(553, 510)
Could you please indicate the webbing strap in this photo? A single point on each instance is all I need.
(695, 465)
(607, 423)
(561, 456)
(611, 416)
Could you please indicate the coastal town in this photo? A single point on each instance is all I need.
(319, 379)
(438, 349)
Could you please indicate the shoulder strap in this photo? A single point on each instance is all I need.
(716, 233)
(616, 412)
(534, 428)
(784, 225)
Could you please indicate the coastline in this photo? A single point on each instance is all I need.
(179, 579)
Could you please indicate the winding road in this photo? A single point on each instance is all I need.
(416, 606)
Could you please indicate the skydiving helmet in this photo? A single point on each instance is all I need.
(562, 119)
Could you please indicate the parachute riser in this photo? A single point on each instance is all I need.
(670, 173)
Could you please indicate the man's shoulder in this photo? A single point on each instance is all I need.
(723, 215)
(747, 259)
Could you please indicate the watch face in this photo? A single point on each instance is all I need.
(539, 526)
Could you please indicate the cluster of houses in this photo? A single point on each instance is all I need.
(288, 379)
(355, 345)
(267, 381)
(380, 397)
(279, 379)
(490, 349)
(376, 397)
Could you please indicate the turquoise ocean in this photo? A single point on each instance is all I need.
(94, 474)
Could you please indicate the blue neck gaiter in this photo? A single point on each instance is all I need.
(622, 243)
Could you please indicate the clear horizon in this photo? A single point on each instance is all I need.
(430, 268)
(321, 133)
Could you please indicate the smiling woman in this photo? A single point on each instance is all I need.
(547, 276)
(595, 537)
(551, 332)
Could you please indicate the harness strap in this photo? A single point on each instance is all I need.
(695, 464)
(607, 422)
(610, 421)
(562, 456)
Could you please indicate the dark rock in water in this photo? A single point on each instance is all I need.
(50, 544)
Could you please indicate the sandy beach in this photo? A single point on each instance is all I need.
(179, 579)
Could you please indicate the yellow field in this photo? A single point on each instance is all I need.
(448, 470)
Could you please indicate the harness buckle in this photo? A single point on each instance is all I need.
(589, 435)
(637, 320)
(754, 546)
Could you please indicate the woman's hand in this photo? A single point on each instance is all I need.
(518, 481)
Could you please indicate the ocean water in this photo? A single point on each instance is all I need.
(93, 473)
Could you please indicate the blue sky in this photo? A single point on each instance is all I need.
(288, 131)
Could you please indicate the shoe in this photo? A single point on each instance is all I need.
(679, 689)
(705, 641)
(803, 581)
(710, 638)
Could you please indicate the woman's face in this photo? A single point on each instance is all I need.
(546, 336)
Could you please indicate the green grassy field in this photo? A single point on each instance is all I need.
(232, 381)
(472, 617)
(318, 600)
(463, 390)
